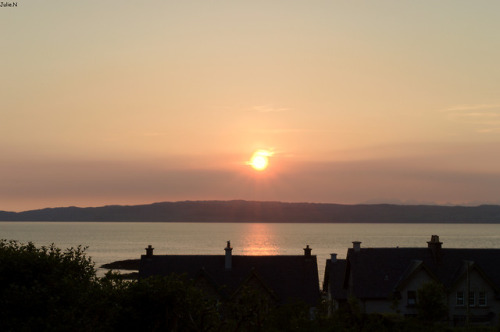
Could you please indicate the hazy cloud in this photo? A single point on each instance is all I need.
(154, 134)
(472, 107)
(486, 116)
(434, 178)
(269, 109)
(284, 131)
(489, 130)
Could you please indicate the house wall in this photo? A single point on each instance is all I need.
(400, 305)
(333, 303)
(487, 314)
(418, 279)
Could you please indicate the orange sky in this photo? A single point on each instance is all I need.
(124, 103)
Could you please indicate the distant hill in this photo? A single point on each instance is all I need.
(253, 211)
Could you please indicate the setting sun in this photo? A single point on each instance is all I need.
(260, 160)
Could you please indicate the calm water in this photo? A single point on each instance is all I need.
(111, 241)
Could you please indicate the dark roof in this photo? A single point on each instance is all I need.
(334, 278)
(289, 277)
(378, 272)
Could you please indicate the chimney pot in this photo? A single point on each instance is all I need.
(228, 260)
(333, 258)
(434, 243)
(356, 246)
(307, 251)
(149, 251)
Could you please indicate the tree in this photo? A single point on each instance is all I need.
(431, 305)
(168, 303)
(46, 288)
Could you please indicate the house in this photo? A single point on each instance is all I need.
(333, 283)
(283, 279)
(386, 280)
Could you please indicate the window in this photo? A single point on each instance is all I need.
(460, 298)
(412, 298)
(481, 299)
(472, 299)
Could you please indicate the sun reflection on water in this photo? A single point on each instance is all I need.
(259, 239)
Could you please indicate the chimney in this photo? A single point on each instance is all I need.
(228, 250)
(149, 251)
(434, 242)
(333, 258)
(356, 245)
(435, 246)
(307, 251)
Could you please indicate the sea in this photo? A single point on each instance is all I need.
(107, 242)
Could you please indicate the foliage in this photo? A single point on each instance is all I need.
(295, 316)
(431, 305)
(45, 288)
(162, 304)
(248, 310)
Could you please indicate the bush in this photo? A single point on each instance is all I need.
(163, 304)
(46, 289)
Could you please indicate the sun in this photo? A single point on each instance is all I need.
(260, 160)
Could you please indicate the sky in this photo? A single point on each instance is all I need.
(126, 102)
